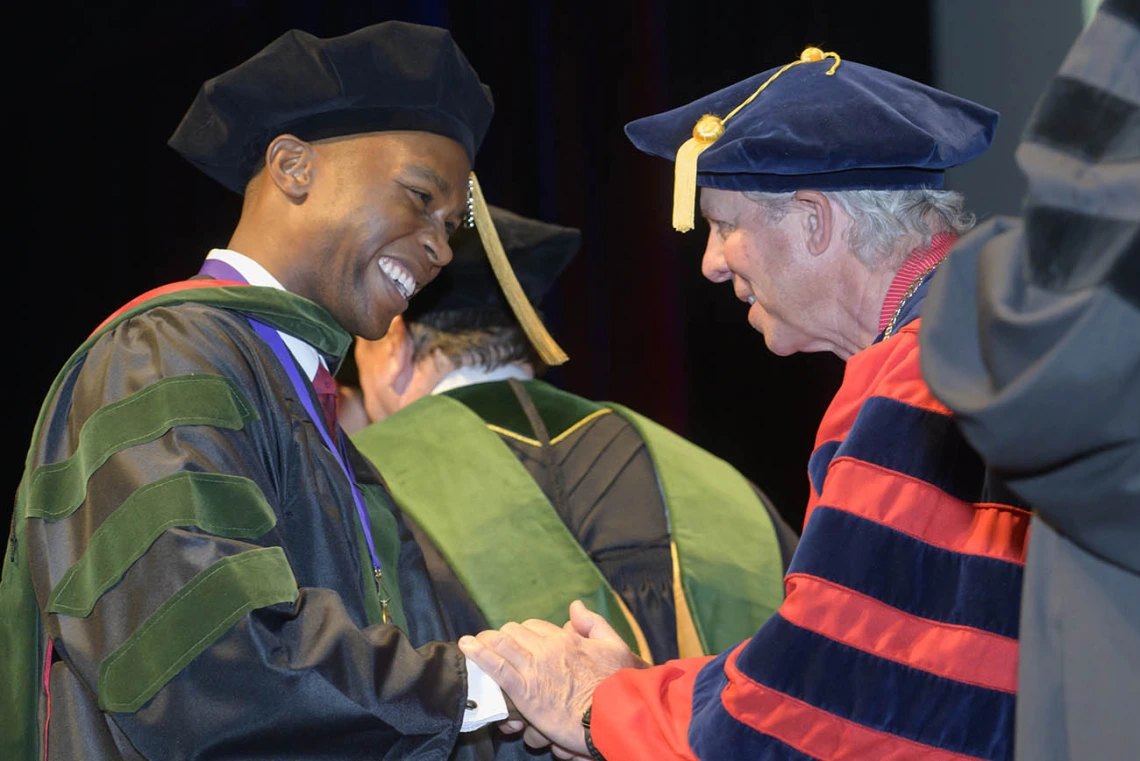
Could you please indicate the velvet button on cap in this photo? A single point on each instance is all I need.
(385, 77)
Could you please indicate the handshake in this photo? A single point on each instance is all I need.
(549, 673)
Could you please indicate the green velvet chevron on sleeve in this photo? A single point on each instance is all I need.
(57, 489)
(191, 620)
(226, 505)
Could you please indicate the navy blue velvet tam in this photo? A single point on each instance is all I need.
(860, 128)
(385, 77)
(537, 251)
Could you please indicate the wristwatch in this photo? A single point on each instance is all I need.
(589, 741)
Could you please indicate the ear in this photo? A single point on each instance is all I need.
(400, 362)
(818, 221)
(386, 368)
(429, 371)
(289, 162)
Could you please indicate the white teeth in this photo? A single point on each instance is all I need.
(751, 300)
(400, 277)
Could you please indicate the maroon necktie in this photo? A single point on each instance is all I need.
(325, 387)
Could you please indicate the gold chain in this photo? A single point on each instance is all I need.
(910, 289)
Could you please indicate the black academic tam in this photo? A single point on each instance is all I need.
(385, 77)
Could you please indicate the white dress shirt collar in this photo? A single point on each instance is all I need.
(307, 357)
(467, 376)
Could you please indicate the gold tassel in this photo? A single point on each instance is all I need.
(550, 352)
(708, 129)
(706, 132)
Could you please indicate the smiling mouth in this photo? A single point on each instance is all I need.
(399, 276)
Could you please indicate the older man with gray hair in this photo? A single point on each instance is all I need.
(890, 235)
(821, 183)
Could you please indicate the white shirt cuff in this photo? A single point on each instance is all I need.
(486, 697)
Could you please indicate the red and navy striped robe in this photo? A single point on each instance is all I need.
(898, 637)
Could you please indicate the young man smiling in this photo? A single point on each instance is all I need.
(201, 564)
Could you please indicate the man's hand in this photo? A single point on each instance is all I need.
(550, 672)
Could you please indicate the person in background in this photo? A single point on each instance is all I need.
(525, 497)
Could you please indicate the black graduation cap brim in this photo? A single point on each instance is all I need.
(387, 77)
(860, 128)
(537, 251)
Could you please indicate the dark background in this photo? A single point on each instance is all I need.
(99, 209)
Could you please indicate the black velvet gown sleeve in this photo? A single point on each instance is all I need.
(308, 679)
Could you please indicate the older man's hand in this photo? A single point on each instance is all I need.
(550, 672)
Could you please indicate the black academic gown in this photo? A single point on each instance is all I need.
(313, 677)
(602, 482)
